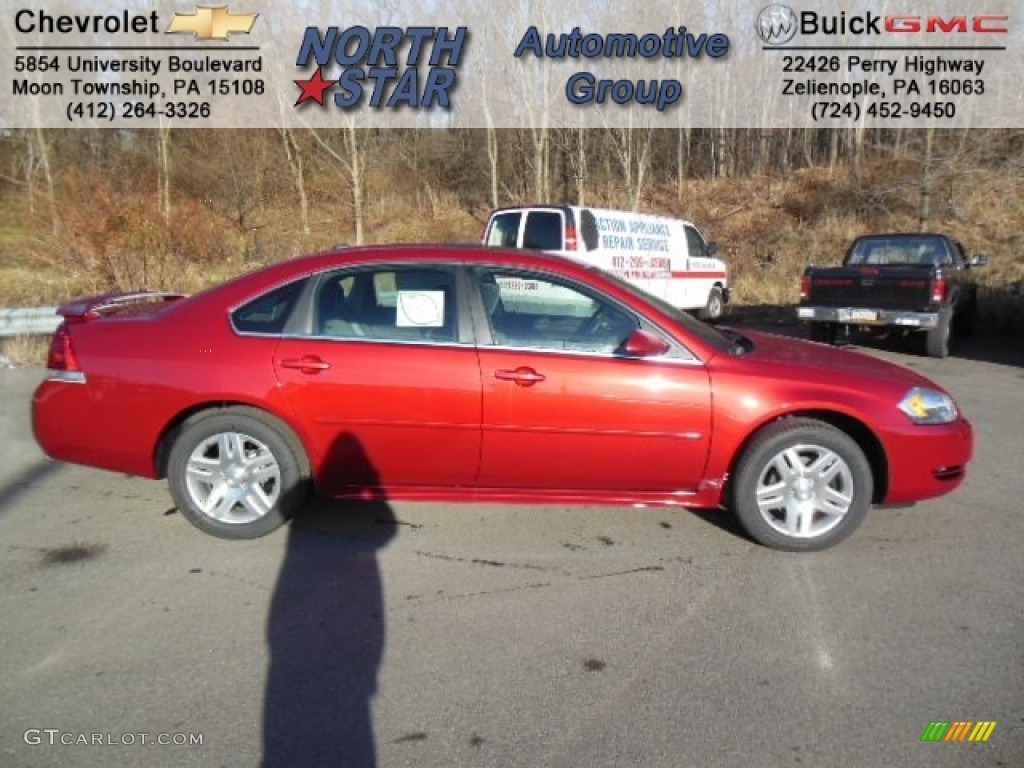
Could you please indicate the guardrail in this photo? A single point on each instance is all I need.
(29, 322)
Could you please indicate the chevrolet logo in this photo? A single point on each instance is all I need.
(212, 23)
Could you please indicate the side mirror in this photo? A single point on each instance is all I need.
(642, 343)
(978, 261)
(712, 249)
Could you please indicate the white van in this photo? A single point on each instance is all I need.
(665, 257)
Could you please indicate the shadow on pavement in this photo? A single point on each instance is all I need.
(724, 520)
(781, 320)
(23, 482)
(326, 630)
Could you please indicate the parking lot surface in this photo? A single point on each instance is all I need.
(434, 635)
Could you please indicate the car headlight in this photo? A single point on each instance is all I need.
(928, 406)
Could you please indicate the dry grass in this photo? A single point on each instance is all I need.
(769, 229)
(25, 350)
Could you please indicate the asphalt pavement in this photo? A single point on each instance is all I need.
(393, 634)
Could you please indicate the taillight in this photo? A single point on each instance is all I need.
(805, 287)
(570, 238)
(939, 290)
(62, 351)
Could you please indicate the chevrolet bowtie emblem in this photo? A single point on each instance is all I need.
(212, 23)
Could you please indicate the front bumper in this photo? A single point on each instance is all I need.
(867, 316)
(926, 461)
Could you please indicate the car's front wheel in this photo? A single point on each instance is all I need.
(801, 485)
(237, 473)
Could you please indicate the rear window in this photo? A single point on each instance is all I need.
(504, 230)
(268, 313)
(899, 251)
(543, 231)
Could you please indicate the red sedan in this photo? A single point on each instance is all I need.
(472, 374)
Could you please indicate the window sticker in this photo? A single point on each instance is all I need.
(420, 309)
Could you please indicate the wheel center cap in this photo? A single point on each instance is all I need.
(803, 488)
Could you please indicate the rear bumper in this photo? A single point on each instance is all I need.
(72, 421)
(868, 316)
(926, 461)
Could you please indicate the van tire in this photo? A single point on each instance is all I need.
(715, 306)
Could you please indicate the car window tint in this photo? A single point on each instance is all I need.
(406, 303)
(504, 230)
(268, 313)
(535, 312)
(543, 231)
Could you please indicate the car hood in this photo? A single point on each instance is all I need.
(815, 359)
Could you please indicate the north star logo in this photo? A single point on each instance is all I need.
(212, 22)
(313, 88)
(381, 67)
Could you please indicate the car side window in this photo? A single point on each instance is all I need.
(411, 303)
(268, 313)
(530, 311)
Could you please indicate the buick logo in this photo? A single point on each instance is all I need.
(776, 24)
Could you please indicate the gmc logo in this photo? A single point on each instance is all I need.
(952, 24)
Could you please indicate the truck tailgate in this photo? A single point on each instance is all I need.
(904, 287)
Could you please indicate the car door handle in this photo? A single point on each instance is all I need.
(307, 364)
(523, 376)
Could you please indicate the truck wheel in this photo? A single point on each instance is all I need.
(237, 473)
(715, 306)
(937, 339)
(801, 485)
(826, 333)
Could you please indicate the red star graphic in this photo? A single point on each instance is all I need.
(313, 88)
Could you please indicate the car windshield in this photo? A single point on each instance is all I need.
(688, 322)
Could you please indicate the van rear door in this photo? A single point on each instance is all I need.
(544, 230)
(535, 229)
(503, 230)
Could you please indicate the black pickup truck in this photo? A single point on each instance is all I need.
(912, 282)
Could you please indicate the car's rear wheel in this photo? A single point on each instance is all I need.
(801, 485)
(237, 473)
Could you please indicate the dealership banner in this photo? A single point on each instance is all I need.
(524, 63)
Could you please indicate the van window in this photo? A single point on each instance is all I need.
(588, 225)
(504, 230)
(695, 244)
(543, 231)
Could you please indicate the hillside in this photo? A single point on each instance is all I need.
(117, 215)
